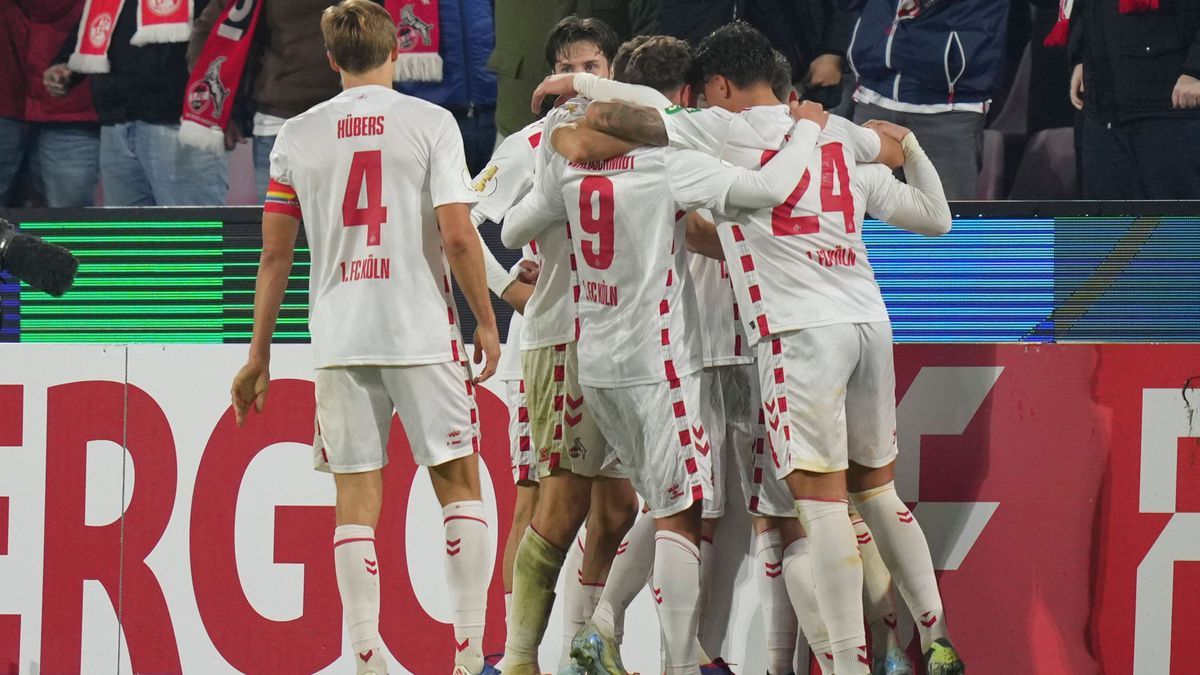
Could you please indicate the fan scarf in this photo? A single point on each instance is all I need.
(418, 36)
(158, 21)
(216, 78)
(1061, 32)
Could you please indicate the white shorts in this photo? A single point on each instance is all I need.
(656, 429)
(436, 405)
(830, 397)
(766, 494)
(520, 443)
(562, 427)
(712, 411)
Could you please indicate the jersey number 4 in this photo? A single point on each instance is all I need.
(833, 161)
(366, 168)
(597, 219)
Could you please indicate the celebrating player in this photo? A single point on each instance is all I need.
(639, 349)
(381, 179)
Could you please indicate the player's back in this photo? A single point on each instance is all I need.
(803, 263)
(636, 304)
(368, 167)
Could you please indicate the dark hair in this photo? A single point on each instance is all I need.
(659, 62)
(739, 53)
(574, 29)
(782, 84)
(621, 60)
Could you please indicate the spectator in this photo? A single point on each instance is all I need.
(468, 88)
(138, 95)
(931, 66)
(1136, 69)
(287, 71)
(519, 56)
(58, 137)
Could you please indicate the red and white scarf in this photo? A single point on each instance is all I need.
(216, 78)
(418, 37)
(1061, 33)
(158, 21)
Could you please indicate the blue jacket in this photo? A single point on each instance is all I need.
(951, 52)
(468, 36)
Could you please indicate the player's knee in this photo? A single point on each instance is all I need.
(359, 500)
(860, 478)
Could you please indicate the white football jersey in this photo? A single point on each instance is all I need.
(638, 311)
(724, 342)
(368, 167)
(801, 264)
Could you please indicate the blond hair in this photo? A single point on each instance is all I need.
(359, 34)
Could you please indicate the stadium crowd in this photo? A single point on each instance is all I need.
(1098, 99)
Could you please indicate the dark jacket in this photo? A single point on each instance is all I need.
(467, 39)
(287, 72)
(952, 52)
(144, 84)
(1132, 61)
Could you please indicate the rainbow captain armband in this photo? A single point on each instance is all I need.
(281, 198)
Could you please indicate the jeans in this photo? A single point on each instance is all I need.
(12, 152)
(262, 164)
(1155, 158)
(144, 164)
(953, 141)
(68, 159)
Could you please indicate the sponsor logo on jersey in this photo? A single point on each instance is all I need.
(485, 183)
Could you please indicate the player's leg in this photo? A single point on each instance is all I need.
(353, 416)
(676, 587)
(712, 440)
(778, 617)
(631, 570)
(562, 503)
(871, 425)
(887, 654)
(614, 509)
(575, 594)
(524, 465)
(803, 375)
(436, 404)
(526, 502)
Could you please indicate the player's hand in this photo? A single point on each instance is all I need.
(889, 129)
(517, 295)
(825, 71)
(1186, 93)
(250, 386)
(559, 86)
(809, 110)
(57, 79)
(233, 136)
(1077, 87)
(486, 344)
(529, 273)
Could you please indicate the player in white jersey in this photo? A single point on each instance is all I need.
(380, 178)
(561, 430)
(809, 299)
(640, 348)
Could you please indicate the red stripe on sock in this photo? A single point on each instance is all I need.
(450, 518)
(349, 541)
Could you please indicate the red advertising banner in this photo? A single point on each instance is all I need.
(141, 531)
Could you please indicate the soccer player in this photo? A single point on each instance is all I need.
(381, 180)
(810, 301)
(639, 348)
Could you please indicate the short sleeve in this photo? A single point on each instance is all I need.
(449, 181)
(281, 194)
(698, 180)
(862, 143)
(507, 177)
(706, 130)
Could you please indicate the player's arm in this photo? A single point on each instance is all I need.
(281, 222)
(702, 237)
(636, 124)
(596, 88)
(540, 210)
(774, 182)
(464, 252)
(920, 204)
(578, 142)
(867, 145)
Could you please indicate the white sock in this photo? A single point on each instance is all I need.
(535, 574)
(677, 594)
(575, 597)
(357, 570)
(802, 593)
(708, 621)
(778, 616)
(878, 598)
(838, 576)
(903, 548)
(630, 571)
(468, 561)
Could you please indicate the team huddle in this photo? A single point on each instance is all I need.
(695, 300)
